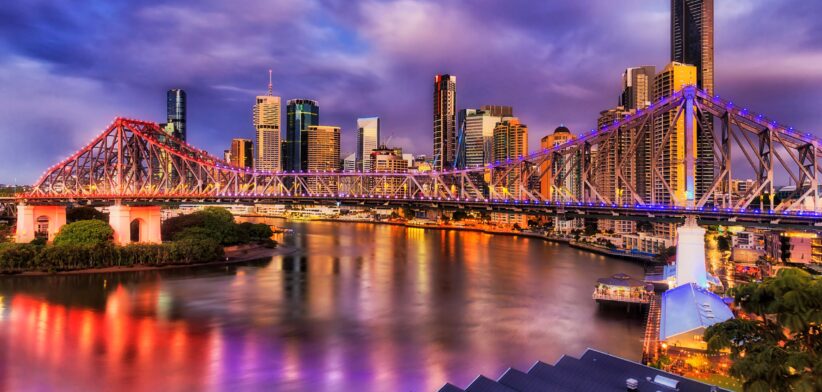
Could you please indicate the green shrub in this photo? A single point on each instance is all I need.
(214, 223)
(17, 257)
(87, 232)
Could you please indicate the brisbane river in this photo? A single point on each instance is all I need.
(354, 307)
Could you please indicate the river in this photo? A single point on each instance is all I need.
(355, 307)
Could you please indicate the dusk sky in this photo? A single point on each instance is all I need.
(67, 69)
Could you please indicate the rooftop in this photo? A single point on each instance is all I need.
(593, 371)
(688, 307)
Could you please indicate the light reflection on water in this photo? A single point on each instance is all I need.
(358, 307)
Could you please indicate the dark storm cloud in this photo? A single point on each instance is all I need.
(66, 69)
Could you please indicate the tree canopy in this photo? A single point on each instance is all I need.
(85, 232)
(84, 213)
(214, 223)
(776, 348)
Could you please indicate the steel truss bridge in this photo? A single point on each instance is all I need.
(644, 165)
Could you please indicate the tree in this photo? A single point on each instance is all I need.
(5, 232)
(458, 215)
(84, 213)
(86, 232)
(723, 243)
(666, 253)
(778, 348)
(215, 222)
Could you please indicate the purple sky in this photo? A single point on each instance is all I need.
(66, 70)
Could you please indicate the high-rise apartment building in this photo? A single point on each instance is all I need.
(267, 122)
(669, 142)
(637, 94)
(176, 112)
(637, 87)
(510, 142)
(445, 121)
(242, 151)
(618, 175)
(692, 42)
(368, 139)
(555, 169)
(301, 114)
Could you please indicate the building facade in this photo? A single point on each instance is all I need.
(510, 142)
(669, 143)
(692, 43)
(176, 112)
(387, 160)
(349, 163)
(242, 153)
(267, 121)
(445, 121)
(301, 114)
(368, 139)
(555, 167)
(323, 155)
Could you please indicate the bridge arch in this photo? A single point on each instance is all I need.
(136, 227)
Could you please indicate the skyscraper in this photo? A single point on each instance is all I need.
(445, 121)
(478, 139)
(242, 151)
(368, 139)
(301, 114)
(692, 38)
(176, 112)
(555, 169)
(669, 143)
(267, 122)
(692, 42)
(510, 142)
(323, 155)
(637, 87)
(323, 148)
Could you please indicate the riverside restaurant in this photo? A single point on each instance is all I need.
(623, 288)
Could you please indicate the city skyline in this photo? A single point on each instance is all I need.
(783, 83)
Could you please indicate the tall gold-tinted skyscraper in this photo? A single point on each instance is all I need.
(267, 121)
(445, 121)
(692, 42)
(669, 142)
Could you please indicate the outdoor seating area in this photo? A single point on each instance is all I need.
(623, 288)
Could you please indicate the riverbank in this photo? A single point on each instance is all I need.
(233, 255)
(423, 226)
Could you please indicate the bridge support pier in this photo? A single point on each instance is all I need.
(135, 224)
(690, 254)
(43, 220)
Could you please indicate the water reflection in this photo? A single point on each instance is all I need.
(359, 307)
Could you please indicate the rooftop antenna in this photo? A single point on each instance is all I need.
(270, 84)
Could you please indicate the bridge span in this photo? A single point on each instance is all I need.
(135, 167)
